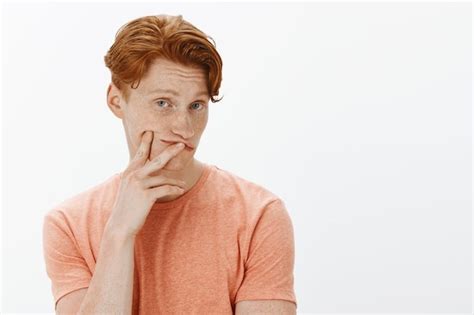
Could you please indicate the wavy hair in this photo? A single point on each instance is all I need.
(140, 41)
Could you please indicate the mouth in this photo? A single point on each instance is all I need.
(189, 148)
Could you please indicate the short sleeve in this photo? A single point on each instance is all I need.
(270, 262)
(65, 267)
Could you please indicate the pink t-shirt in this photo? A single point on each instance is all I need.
(223, 241)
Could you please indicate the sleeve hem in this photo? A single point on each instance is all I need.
(269, 296)
(66, 291)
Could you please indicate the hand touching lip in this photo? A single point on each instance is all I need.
(188, 146)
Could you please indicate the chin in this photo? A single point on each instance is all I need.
(172, 165)
(176, 164)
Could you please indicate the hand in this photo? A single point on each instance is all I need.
(139, 189)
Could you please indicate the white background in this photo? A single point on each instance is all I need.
(357, 114)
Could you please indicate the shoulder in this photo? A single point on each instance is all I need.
(231, 180)
(243, 193)
(94, 200)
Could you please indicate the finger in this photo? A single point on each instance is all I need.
(154, 181)
(165, 190)
(160, 161)
(143, 150)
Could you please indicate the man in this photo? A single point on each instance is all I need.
(169, 234)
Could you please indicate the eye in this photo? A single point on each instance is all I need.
(195, 104)
(159, 102)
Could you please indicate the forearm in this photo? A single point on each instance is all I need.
(111, 288)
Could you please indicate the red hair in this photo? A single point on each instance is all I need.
(140, 41)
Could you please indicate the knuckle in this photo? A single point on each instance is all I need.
(135, 176)
(126, 173)
(169, 188)
(148, 193)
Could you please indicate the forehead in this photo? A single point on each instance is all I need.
(166, 74)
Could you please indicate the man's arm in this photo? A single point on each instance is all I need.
(268, 282)
(265, 307)
(71, 302)
(111, 287)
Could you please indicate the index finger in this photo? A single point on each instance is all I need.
(143, 150)
(162, 159)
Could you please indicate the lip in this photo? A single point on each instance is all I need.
(188, 147)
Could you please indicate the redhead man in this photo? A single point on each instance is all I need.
(169, 234)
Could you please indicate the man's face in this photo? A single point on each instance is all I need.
(173, 117)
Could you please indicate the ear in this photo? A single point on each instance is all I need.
(115, 100)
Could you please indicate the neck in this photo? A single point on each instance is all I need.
(190, 175)
(183, 174)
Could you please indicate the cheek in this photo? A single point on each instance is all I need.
(137, 124)
(201, 123)
(156, 146)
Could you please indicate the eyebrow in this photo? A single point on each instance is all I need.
(175, 93)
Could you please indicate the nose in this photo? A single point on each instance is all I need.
(182, 125)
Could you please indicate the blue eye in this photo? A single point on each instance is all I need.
(160, 101)
(196, 103)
